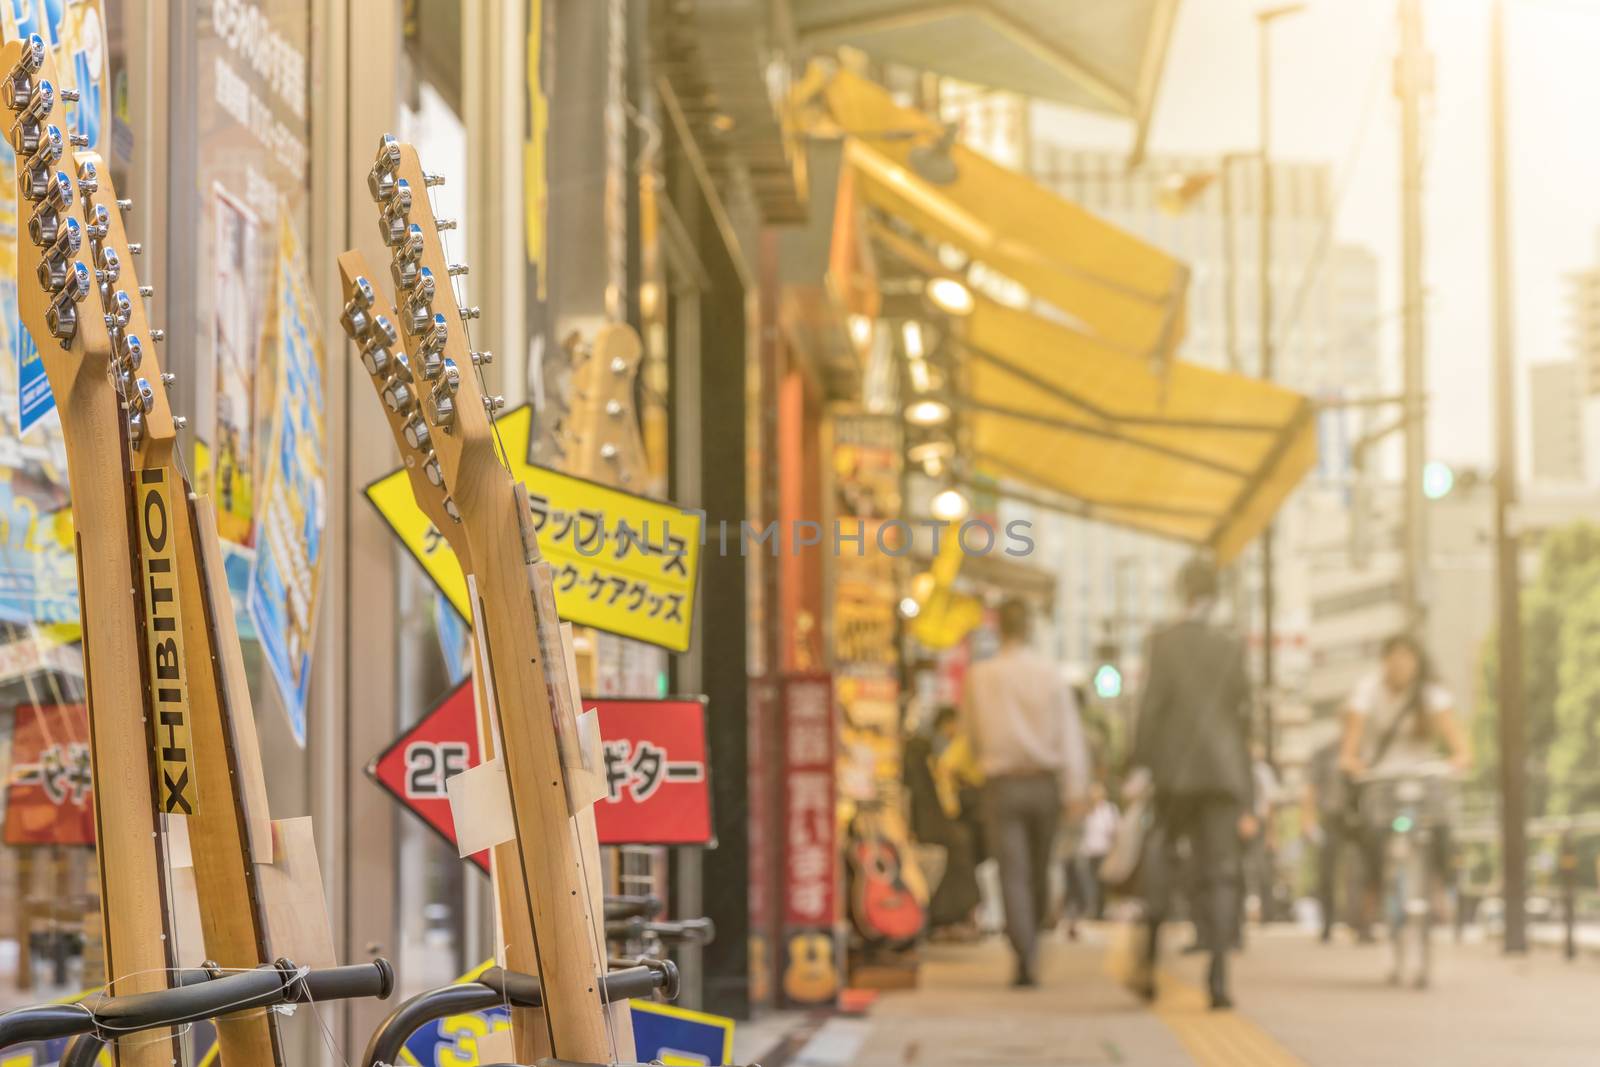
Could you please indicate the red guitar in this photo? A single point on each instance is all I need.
(882, 905)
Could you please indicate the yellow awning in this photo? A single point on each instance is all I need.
(1084, 398)
(1195, 454)
(1122, 290)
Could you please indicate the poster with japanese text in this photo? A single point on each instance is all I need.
(292, 507)
(230, 475)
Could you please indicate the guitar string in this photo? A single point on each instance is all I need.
(505, 460)
(466, 327)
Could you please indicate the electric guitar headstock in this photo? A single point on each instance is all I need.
(415, 346)
(86, 313)
(601, 437)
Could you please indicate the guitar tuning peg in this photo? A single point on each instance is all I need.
(397, 395)
(88, 177)
(147, 291)
(168, 378)
(456, 270)
(444, 224)
(158, 336)
(416, 434)
(482, 359)
(494, 403)
(432, 471)
(431, 180)
(78, 140)
(99, 221)
(124, 204)
(37, 106)
(380, 179)
(30, 61)
(451, 510)
(135, 248)
(468, 314)
(71, 96)
(62, 316)
(180, 421)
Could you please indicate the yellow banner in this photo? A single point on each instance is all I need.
(622, 563)
(169, 689)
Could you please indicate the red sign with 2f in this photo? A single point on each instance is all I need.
(656, 768)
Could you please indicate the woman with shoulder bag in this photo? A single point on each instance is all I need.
(1397, 716)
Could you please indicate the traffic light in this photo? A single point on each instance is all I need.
(1107, 675)
(1108, 682)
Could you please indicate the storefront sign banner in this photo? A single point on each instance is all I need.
(656, 768)
(286, 577)
(50, 791)
(810, 968)
(622, 563)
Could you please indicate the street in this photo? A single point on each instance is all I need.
(1302, 1004)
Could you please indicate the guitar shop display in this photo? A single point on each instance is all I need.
(883, 905)
(542, 765)
(599, 436)
(165, 673)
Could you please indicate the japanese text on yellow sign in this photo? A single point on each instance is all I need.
(621, 563)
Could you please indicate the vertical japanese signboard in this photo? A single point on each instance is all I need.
(810, 965)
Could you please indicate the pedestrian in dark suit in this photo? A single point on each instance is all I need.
(1193, 743)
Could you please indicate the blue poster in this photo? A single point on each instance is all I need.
(292, 507)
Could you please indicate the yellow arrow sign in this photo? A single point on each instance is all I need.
(623, 563)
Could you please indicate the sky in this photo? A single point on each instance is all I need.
(1333, 102)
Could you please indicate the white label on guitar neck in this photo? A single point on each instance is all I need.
(480, 805)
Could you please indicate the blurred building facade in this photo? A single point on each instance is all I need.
(1556, 422)
(1337, 574)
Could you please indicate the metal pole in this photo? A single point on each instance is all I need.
(1513, 740)
(1264, 301)
(1410, 80)
(1230, 267)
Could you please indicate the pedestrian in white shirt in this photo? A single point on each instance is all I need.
(1085, 899)
(1022, 722)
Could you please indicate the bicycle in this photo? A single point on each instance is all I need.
(1411, 807)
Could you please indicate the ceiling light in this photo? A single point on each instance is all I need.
(860, 330)
(928, 412)
(911, 335)
(949, 505)
(921, 378)
(926, 450)
(950, 295)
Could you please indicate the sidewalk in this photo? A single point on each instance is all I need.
(1302, 1005)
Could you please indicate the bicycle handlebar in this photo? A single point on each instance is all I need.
(498, 986)
(629, 907)
(197, 994)
(699, 931)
